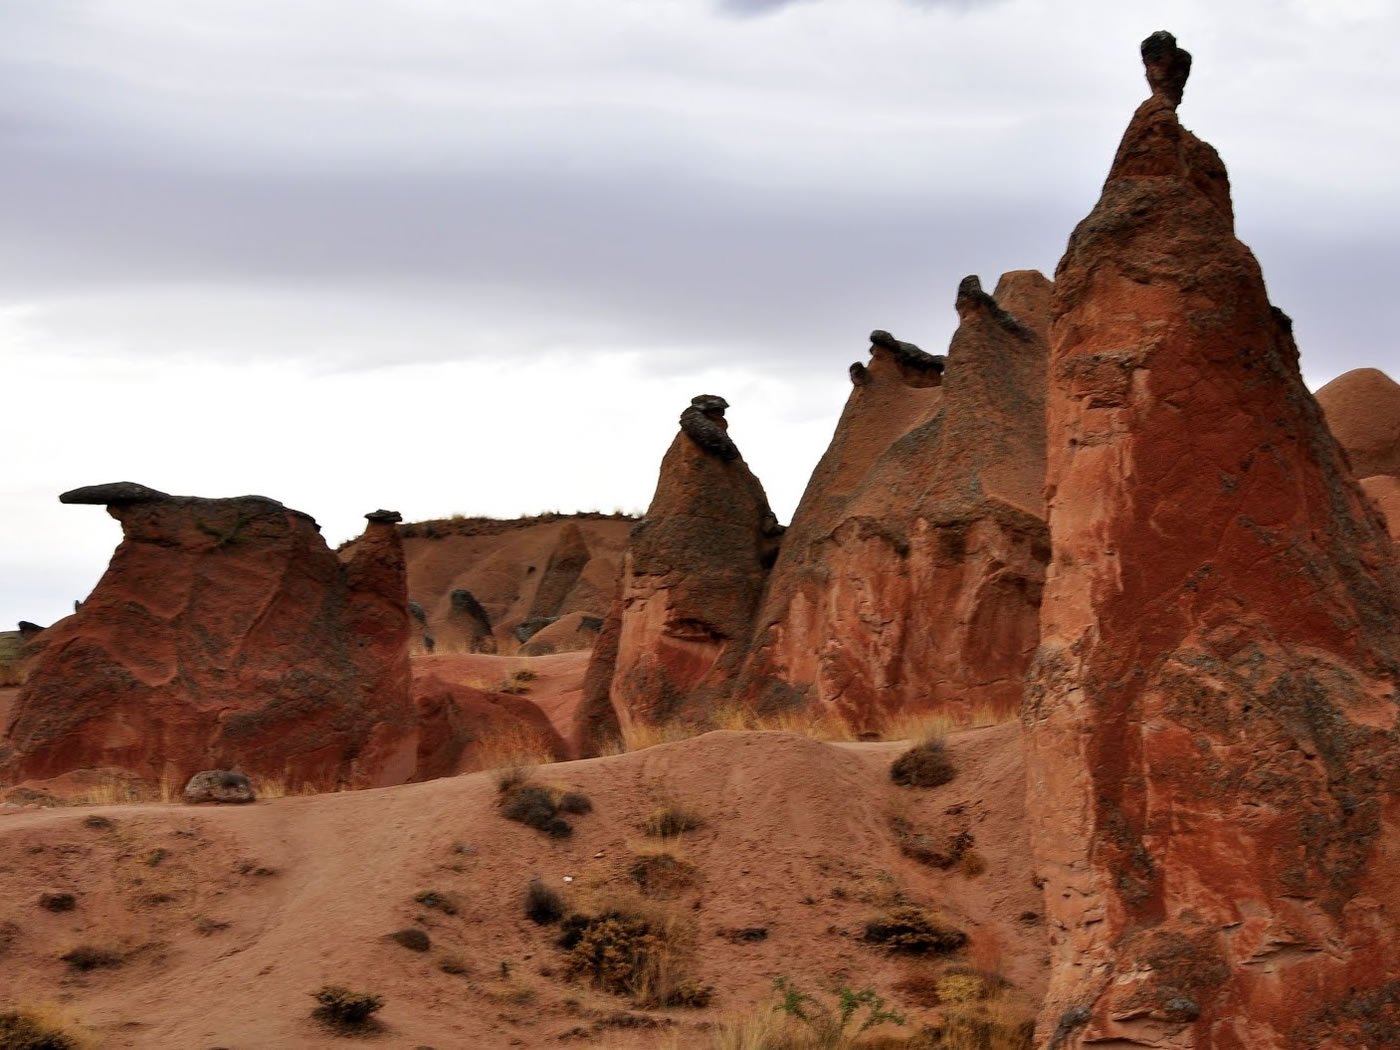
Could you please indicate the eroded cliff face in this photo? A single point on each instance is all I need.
(1213, 762)
(225, 634)
(911, 576)
(690, 583)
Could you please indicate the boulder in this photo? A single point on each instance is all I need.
(219, 785)
(1363, 411)
(465, 729)
(224, 633)
(910, 578)
(1212, 755)
(691, 578)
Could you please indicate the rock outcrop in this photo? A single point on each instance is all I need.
(464, 729)
(910, 578)
(691, 577)
(1363, 411)
(225, 635)
(1213, 763)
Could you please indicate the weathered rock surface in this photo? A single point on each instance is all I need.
(691, 578)
(569, 633)
(224, 634)
(561, 572)
(463, 728)
(1384, 493)
(1213, 763)
(219, 785)
(1363, 411)
(911, 576)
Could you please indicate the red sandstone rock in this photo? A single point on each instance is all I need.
(1213, 763)
(1384, 493)
(224, 634)
(691, 578)
(1363, 412)
(561, 572)
(462, 729)
(566, 634)
(910, 578)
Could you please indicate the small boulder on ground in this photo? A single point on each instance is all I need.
(219, 785)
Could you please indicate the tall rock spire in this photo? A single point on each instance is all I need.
(1213, 762)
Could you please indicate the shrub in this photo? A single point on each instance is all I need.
(98, 823)
(509, 778)
(661, 874)
(575, 802)
(632, 952)
(672, 819)
(924, 765)
(412, 938)
(90, 957)
(913, 931)
(543, 905)
(829, 1025)
(437, 901)
(23, 1031)
(453, 964)
(344, 1009)
(536, 807)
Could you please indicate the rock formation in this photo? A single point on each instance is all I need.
(470, 622)
(463, 728)
(910, 577)
(1363, 412)
(691, 578)
(1211, 736)
(225, 635)
(1384, 491)
(566, 634)
(561, 572)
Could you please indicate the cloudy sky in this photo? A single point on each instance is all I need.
(474, 256)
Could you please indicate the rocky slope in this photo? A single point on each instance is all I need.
(1213, 761)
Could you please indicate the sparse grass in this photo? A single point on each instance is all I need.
(913, 931)
(636, 948)
(660, 873)
(343, 1010)
(44, 1026)
(639, 736)
(513, 744)
(508, 778)
(672, 818)
(453, 964)
(972, 864)
(85, 957)
(543, 904)
(443, 902)
(207, 927)
(96, 823)
(926, 764)
(516, 682)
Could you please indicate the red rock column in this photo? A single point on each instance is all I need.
(1211, 727)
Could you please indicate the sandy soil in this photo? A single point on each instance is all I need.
(797, 841)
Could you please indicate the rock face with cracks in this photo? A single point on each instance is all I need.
(911, 576)
(1213, 763)
(225, 635)
(690, 582)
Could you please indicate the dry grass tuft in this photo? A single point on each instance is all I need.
(43, 1026)
(513, 744)
(343, 1010)
(635, 947)
(926, 764)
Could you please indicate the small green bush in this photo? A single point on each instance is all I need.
(20, 1031)
(344, 1009)
(913, 931)
(829, 1025)
(543, 905)
(924, 765)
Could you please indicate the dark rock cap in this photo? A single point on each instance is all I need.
(1168, 66)
(709, 403)
(390, 517)
(971, 297)
(112, 494)
(26, 627)
(908, 354)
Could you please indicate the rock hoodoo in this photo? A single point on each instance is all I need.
(910, 578)
(225, 635)
(690, 580)
(1363, 412)
(1213, 763)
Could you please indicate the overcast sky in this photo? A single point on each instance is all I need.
(475, 256)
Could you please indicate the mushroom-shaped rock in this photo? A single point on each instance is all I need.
(384, 517)
(219, 785)
(704, 423)
(113, 493)
(1167, 66)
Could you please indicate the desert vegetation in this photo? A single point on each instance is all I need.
(344, 1011)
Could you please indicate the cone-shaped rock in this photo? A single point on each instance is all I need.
(561, 572)
(1363, 411)
(911, 576)
(224, 635)
(1211, 726)
(690, 582)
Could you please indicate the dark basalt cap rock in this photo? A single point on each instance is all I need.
(26, 627)
(971, 297)
(908, 354)
(1168, 66)
(388, 517)
(113, 493)
(709, 403)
